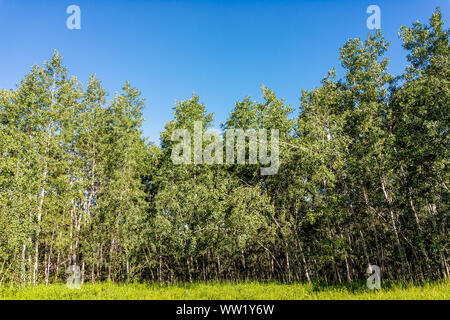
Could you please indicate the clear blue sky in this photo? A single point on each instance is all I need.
(222, 50)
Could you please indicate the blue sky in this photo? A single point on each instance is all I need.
(222, 50)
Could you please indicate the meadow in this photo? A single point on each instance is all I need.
(229, 291)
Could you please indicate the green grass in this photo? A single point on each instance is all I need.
(228, 291)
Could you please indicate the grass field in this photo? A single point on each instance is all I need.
(227, 291)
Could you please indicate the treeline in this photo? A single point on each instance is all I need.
(363, 178)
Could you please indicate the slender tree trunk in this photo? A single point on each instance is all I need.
(39, 217)
(394, 226)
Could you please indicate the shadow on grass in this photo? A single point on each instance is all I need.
(361, 287)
